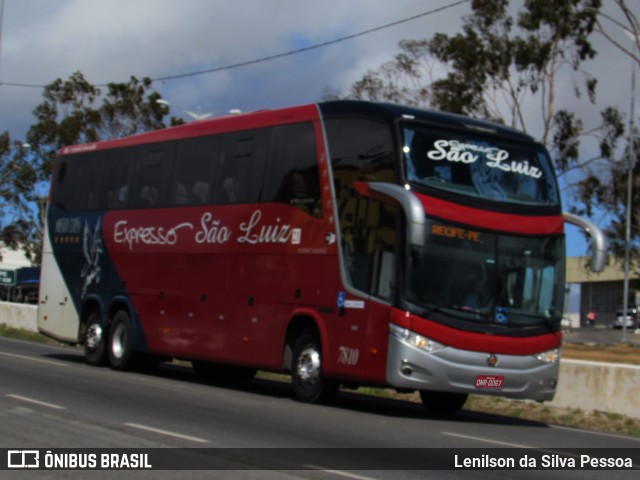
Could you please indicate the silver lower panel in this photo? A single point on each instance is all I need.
(454, 370)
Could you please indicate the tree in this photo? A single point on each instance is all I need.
(630, 25)
(69, 115)
(73, 111)
(606, 188)
(492, 67)
(18, 202)
(507, 69)
(406, 79)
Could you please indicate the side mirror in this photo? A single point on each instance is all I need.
(599, 255)
(397, 195)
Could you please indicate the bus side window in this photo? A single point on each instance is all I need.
(200, 191)
(148, 196)
(292, 177)
(62, 187)
(77, 181)
(117, 178)
(152, 174)
(180, 195)
(193, 170)
(362, 150)
(87, 180)
(241, 166)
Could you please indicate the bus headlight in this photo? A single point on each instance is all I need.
(551, 356)
(415, 340)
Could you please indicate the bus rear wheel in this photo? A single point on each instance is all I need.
(442, 404)
(120, 351)
(308, 382)
(95, 351)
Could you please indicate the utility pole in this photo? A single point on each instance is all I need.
(627, 227)
(1, 18)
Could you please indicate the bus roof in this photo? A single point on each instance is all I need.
(302, 113)
(227, 123)
(390, 111)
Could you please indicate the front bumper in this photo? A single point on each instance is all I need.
(449, 369)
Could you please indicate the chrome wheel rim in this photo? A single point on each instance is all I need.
(309, 366)
(94, 336)
(119, 341)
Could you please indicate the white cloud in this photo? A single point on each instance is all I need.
(112, 40)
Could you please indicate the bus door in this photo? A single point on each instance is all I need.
(368, 270)
(362, 150)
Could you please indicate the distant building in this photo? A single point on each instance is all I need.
(12, 259)
(601, 293)
(19, 281)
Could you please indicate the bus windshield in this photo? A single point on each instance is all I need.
(486, 277)
(477, 165)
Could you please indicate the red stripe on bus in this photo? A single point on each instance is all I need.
(503, 222)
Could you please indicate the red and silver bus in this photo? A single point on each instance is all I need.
(342, 242)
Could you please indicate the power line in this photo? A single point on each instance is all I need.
(278, 55)
(311, 47)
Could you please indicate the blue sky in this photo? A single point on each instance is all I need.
(111, 40)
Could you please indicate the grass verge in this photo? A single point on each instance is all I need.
(11, 332)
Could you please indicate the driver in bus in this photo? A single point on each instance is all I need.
(476, 292)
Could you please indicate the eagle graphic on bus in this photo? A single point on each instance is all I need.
(92, 250)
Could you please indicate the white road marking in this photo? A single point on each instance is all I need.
(486, 440)
(340, 473)
(25, 357)
(36, 402)
(166, 432)
(593, 432)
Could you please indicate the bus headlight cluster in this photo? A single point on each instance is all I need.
(415, 340)
(551, 356)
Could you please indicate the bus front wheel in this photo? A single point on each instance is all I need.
(95, 351)
(442, 404)
(120, 352)
(308, 382)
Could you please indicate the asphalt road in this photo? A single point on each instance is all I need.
(49, 398)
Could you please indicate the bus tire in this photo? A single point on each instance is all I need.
(442, 404)
(120, 351)
(308, 382)
(95, 350)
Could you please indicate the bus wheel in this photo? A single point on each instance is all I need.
(121, 355)
(95, 352)
(308, 382)
(442, 404)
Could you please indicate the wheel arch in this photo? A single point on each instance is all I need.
(116, 305)
(122, 303)
(301, 321)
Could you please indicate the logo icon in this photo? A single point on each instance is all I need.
(23, 459)
(330, 238)
(342, 298)
(492, 360)
(296, 235)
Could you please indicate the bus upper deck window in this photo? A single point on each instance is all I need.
(62, 172)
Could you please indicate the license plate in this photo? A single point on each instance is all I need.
(495, 382)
